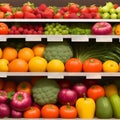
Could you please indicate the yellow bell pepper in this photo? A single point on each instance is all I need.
(85, 107)
(110, 90)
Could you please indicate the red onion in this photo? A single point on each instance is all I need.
(3, 96)
(80, 89)
(102, 28)
(21, 101)
(4, 110)
(16, 114)
(67, 96)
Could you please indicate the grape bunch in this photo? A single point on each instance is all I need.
(56, 29)
(80, 29)
(26, 29)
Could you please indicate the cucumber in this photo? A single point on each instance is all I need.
(115, 102)
(103, 108)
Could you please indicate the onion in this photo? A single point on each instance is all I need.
(3, 96)
(4, 110)
(80, 89)
(66, 96)
(102, 28)
(16, 114)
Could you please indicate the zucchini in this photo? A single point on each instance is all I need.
(115, 102)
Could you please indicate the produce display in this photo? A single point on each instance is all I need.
(71, 11)
(60, 98)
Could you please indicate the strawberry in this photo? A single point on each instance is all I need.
(18, 14)
(29, 15)
(73, 8)
(48, 13)
(42, 7)
(74, 15)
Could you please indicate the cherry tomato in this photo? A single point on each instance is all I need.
(67, 111)
(25, 87)
(95, 92)
(73, 65)
(92, 65)
(50, 111)
(3, 28)
(32, 112)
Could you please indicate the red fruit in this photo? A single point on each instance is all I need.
(65, 9)
(40, 32)
(93, 8)
(8, 15)
(18, 14)
(39, 16)
(14, 28)
(73, 8)
(116, 6)
(47, 14)
(29, 15)
(74, 15)
(97, 16)
(28, 7)
(42, 7)
(20, 29)
(11, 32)
(88, 15)
(5, 7)
(17, 32)
(84, 10)
(58, 15)
(66, 15)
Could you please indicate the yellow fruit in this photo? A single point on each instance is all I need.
(4, 65)
(0, 53)
(55, 65)
(37, 64)
(110, 66)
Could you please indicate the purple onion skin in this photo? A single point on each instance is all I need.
(3, 96)
(21, 101)
(80, 89)
(66, 96)
(102, 28)
(4, 110)
(16, 114)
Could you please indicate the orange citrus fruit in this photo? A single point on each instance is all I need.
(39, 49)
(37, 64)
(9, 53)
(26, 53)
(110, 66)
(55, 65)
(4, 65)
(18, 65)
(1, 53)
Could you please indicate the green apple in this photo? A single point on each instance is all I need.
(106, 15)
(118, 10)
(112, 10)
(118, 16)
(105, 9)
(109, 4)
(113, 16)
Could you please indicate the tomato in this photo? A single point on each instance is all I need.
(92, 65)
(18, 14)
(67, 111)
(93, 8)
(73, 65)
(3, 28)
(32, 112)
(28, 7)
(50, 111)
(1, 14)
(95, 92)
(5, 7)
(25, 87)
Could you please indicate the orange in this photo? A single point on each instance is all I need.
(9, 53)
(37, 64)
(18, 65)
(1, 53)
(26, 53)
(1, 83)
(55, 65)
(10, 86)
(39, 49)
(110, 66)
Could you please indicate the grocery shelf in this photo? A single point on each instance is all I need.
(59, 20)
(73, 38)
(56, 75)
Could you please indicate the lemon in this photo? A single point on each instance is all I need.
(55, 65)
(110, 66)
(37, 64)
(4, 65)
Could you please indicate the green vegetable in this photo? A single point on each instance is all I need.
(115, 102)
(103, 108)
(45, 91)
(58, 50)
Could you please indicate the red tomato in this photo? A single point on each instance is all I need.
(32, 112)
(95, 92)
(73, 65)
(5, 7)
(50, 111)
(67, 111)
(92, 65)
(93, 8)
(3, 28)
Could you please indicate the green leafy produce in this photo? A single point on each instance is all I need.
(102, 51)
(58, 50)
(45, 91)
